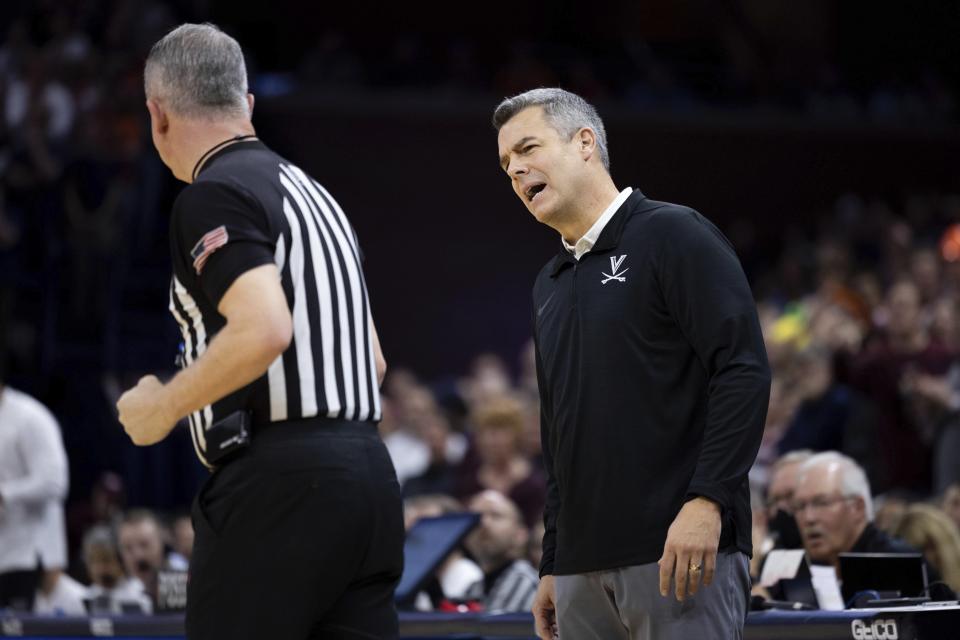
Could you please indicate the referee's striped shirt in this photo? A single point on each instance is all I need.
(249, 207)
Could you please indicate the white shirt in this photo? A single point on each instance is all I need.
(585, 244)
(458, 576)
(33, 485)
(66, 599)
(55, 98)
(455, 579)
(129, 591)
(411, 455)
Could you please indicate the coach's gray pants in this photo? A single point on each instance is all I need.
(625, 604)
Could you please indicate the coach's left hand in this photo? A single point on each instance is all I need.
(145, 413)
(690, 551)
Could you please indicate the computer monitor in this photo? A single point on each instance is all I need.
(901, 575)
(427, 545)
(799, 588)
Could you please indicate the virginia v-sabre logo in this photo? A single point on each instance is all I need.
(615, 263)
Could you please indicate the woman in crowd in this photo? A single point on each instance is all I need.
(929, 529)
(498, 427)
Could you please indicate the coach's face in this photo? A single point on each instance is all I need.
(545, 169)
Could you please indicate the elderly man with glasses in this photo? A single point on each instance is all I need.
(834, 510)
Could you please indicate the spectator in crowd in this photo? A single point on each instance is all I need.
(781, 524)
(457, 573)
(440, 474)
(834, 510)
(774, 526)
(498, 427)
(951, 502)
(925, 273)
(930, 530)
(33, 486)
(142, 549)
(828, 411)
(414, 433)
(59, 595)
(182, 536)
(489, 379)
(945, 322)
(904, 448)
(935, 406)
(104, 507)
(888, 509)
(498, 545)
(111, 590)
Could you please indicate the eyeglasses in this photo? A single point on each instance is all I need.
(818, 503)
(782, 501)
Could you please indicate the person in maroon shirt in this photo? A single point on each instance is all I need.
(884, 372)
(500, 462)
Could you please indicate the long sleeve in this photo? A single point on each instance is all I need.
(707, 294)
(39, 445)
(552, 505)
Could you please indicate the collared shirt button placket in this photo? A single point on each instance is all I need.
(575, 301)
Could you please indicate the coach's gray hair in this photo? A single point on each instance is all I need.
(853, 479)
(566, 112)
(198, 71)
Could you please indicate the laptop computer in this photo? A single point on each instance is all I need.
(427, 545)
(799, 588)
(896, 575)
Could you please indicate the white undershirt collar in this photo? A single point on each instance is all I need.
(585, 244)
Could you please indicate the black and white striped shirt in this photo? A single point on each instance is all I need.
(511, 588)
(249, 207)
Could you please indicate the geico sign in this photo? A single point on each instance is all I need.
(876, 630)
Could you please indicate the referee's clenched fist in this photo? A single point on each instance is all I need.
(145, 413)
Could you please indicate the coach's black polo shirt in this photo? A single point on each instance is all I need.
(654, 386)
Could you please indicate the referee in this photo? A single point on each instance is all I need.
(299, 532)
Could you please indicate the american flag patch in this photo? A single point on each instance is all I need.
(210, 242)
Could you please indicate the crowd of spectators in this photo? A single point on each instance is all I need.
(860, 311)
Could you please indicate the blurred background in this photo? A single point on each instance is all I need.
(823, 137)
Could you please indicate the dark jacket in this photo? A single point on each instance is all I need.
(654, 385)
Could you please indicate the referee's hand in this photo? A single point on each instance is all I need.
(144, 414)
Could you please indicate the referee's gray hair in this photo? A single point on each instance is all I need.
(198, 71)
(853, 479)
(565, 111)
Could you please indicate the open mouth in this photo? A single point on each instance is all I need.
(814, 537)
(534, 189)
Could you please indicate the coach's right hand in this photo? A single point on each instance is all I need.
(545, 609)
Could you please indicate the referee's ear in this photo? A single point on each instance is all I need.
(250, 104)
(159, 122)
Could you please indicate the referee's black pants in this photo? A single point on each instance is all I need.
(301, 537)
